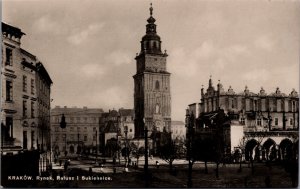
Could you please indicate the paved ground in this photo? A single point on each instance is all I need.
(273, 176)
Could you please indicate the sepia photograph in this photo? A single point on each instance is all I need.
(150, 93)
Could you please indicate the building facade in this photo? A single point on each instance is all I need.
(257, 111)
(116, 128)
(152, 96)
(178, 130)
(21, 129)
(81, 132)
(259, 124)
(26, 84)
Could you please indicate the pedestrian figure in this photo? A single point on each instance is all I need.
(157, 164)
(60, 162)
(66, 165)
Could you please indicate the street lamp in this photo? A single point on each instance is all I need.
(146, 153)
(126, 146)
(189, 126)
(96, 146)
(63, 125)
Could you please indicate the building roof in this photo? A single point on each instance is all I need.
(43, 73)
(75, 110)
(111, 127)
(126, 112)
(12, 30)
(113, 113)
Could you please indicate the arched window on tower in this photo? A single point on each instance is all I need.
(154, 45)
(157, 85)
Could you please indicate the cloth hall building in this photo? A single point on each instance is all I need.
(259, 122)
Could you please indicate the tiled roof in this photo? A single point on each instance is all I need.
(111, 127)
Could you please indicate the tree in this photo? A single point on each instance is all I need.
(137, 151)
(169, 152)
(202, 151)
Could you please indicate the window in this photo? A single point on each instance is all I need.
(243, 121)
(64, 138)
(94, 129)
(8, 57)
(157, 85)
(56, 129)
(94, 137)
(71, 128)
(258, 121)
(32, 139)
(32, 109)
(255, 105)
(85, 138)
(85, 120)
(9, 126)
(293, 106)
(276, 121)
(71, 119)
(291, 121)
(24, 139)
(72, 137)
(130, 130)
(9, 91)
(24, 83)
(32, 86)
(24, 108)
(275, 105)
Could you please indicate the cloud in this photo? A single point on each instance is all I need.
(264, 42)
(257, 75)
(111, 97)
(45, 24)
(118, 58)
(79, 37)
(208, 57)
(92, 70)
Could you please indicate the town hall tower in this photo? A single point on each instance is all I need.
(152, 97)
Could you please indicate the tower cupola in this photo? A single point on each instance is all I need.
(151, 41)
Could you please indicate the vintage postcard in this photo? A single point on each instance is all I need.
(158, 94)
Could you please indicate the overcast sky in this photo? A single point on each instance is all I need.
(89, 46)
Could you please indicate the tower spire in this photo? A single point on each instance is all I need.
(210, 82)
(151, 9)
(151, 41)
